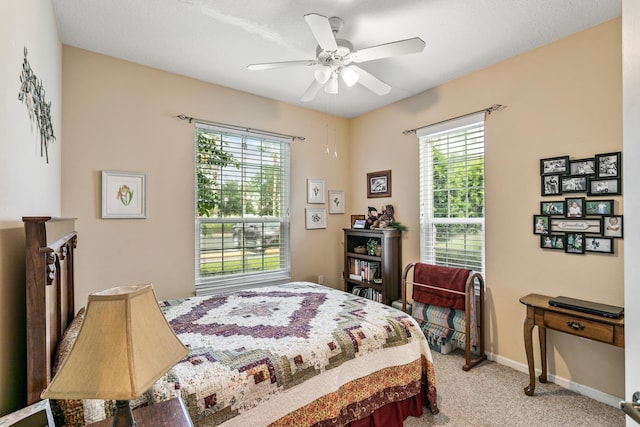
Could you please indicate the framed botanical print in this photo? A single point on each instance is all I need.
(315, 191)
(123, 195)
(336, 201)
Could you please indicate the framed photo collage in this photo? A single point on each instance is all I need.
(577, 224)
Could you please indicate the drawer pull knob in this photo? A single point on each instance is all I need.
(575, 326)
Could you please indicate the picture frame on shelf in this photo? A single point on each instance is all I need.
(608, 165)
(554, 166)
(582, 167)
(599, 244)
(604, 187)
(573, 225)
(541, 224)
(599, 207)
(336, 202)
(316, 218)
(379, 184)
(356, 218)
(553, 207)
(123, 195)
(550, 185)
(552, 241)
(574, 184)
(574, 243)
(315, 191)
(574, 207)
(613, 226)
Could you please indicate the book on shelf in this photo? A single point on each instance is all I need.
(364, 270)
(368, 293)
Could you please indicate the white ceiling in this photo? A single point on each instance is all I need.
(215, 40)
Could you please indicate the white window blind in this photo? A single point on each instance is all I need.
(242, 209)
(452, 193)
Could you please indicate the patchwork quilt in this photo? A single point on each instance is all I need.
(294, 354)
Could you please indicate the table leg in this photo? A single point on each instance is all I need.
(528, 346)
(542, 336)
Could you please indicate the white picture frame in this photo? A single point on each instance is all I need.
(316, 218)
(315, 191)
(336, 202)
(123, 195)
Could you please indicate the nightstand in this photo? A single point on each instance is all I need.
(170, 413)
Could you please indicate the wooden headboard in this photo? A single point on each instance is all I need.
(50, 244)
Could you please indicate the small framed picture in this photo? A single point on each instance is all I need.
(554, 166)
(576, 225)
(574, 243)
(604, 187)
(599, 207)
(551, 185)
(355, 218)
(582, 167)
(574, 207)
(613, 226)
(552, 241)
(555, 207)
(336, 201)
(540, 224)
(599, 244)
(608, 165)
(316, 218)
(123, 195)
(315, 190)
(574, 184)
(379, 184)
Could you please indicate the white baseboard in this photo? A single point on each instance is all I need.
(592, 393)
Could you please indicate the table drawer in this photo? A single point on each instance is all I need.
(581, 327)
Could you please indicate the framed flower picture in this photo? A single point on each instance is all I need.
(123, 195)
(336, 201)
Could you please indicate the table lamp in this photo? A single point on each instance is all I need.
(124, 345)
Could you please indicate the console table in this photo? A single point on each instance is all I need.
(545, 316)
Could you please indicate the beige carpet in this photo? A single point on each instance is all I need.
(493, 395)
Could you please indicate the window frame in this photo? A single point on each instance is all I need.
(428, 221)
(207, 284)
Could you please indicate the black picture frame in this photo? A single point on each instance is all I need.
(574, 207)
(552, 207)
(597, 244)
(604, 187)
(550, 185)
(541, 224)
(613, 226)
(574, 243)
(609, 165)
(554, 166)
(552, 241)
(599, 207)
(574, 183)
(582, 166)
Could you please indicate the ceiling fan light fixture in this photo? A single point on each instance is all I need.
(332, 85)
(349, 76)
(322, 74)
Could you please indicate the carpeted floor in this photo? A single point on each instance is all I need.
(493, 395)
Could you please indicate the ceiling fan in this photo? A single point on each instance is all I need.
(336, 58)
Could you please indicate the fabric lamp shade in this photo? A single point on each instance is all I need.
(124, 345)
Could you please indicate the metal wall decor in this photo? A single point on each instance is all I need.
(33, 95)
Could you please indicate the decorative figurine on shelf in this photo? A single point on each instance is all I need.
(372, 218)
(385, 219)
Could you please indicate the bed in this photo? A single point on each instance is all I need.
(294, 354)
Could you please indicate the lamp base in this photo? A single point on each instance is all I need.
(123, 416)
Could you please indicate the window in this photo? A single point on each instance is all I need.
(242, 212)
(452, 193)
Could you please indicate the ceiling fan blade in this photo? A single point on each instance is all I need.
(284, 64)
(311, 91)
(322, 31)
(371, 82)
(401, 47)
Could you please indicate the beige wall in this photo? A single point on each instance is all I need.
(122, 116)
(28, 185)
(562, 99)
